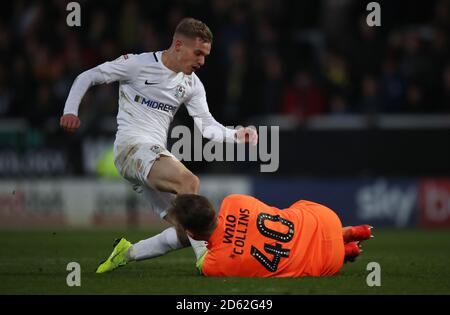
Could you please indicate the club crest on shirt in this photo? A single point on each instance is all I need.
(156, 149)
(180, 91)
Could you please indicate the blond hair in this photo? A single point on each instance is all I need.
(192, 28)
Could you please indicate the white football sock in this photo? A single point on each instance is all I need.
(199, 247)
(155, 246)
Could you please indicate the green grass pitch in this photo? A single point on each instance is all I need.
(34, 262)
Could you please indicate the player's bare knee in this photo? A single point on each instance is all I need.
(195, 184)
(189, 184)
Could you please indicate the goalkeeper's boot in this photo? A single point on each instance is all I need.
(352, 250)
(357, 233)
(117, 258)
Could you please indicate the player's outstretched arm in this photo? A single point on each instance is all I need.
(121, 69)
(213, 130)
(69, 120)
(198, 109)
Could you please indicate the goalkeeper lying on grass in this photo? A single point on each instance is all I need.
(248, 238)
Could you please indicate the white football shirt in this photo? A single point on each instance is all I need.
(149, 96)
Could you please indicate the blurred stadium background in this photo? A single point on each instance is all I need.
(364, 112)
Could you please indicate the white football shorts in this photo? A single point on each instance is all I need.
(134, 163)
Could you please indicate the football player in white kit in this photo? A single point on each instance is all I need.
(152, 87)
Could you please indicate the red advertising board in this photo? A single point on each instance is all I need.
(434, 202)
